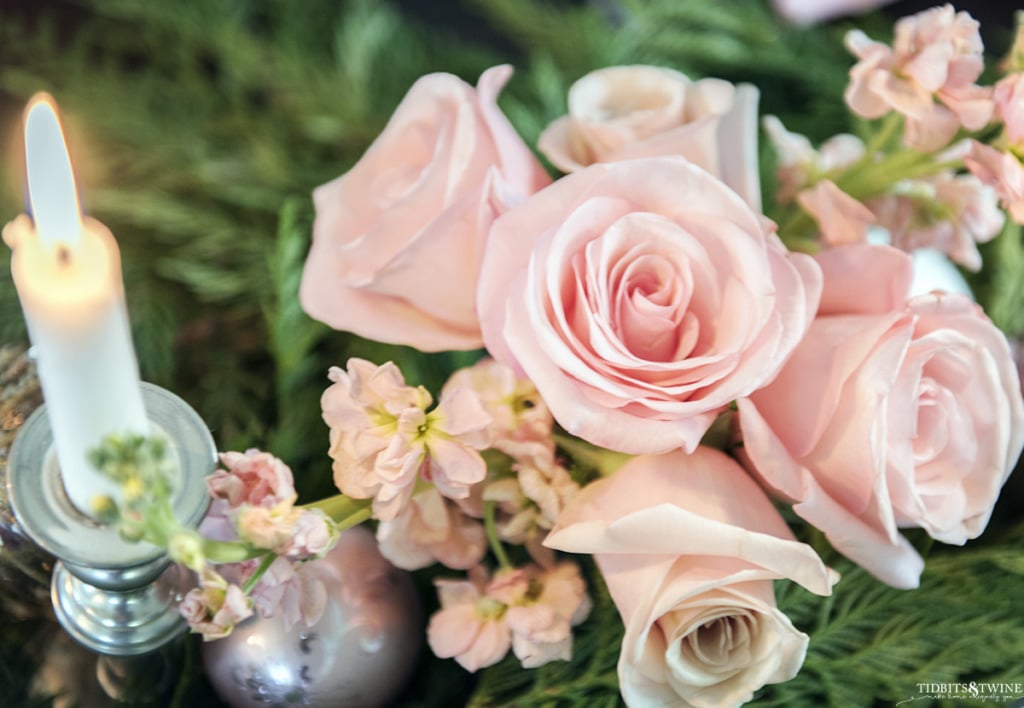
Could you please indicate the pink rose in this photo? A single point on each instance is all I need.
(627, 112)
(889, 415)
(807, 12)
(641, 298)
(398, 239)
(698, 603)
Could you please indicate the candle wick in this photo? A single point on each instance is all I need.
(63, 255)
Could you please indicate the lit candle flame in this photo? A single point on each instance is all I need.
(51, 181)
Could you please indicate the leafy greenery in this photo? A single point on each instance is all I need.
(198, 130)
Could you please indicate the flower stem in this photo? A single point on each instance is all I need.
(890, 124)
(606, 462)
(492, 536)
(250, 583)
(344, 511)
(229, 551)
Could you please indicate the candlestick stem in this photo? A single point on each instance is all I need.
(113, 596)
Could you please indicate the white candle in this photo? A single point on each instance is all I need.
(67, 271)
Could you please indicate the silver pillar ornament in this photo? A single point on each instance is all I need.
(360, 654)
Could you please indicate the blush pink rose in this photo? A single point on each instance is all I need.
(698, 603)
(641, 298)
(627, 112)
(888, 417)
(807, 12)
(398, 239)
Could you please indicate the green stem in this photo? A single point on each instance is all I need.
(492, 536)
(604, 461)
(267, 561)
(344, 511)
(890, 124)
(229, 551)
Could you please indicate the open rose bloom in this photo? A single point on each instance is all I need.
(650, 297)
(398, 239)
(689, 546)
(890, 413)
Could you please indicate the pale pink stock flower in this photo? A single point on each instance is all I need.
(949, 213)
(432, 529)
(457, 429)
(253, 477)
(294, 591)
(530, 503)
(530, 609)
(800, 165)
(541, 621)
(520, 421)
(1004, 172)
(266, 528)
(214, 608)
(382, 437)
(445, 166)
(1009, 98)
(286, 530)
(469, 626)
(841, 218)
(313, 534)
(628, 112)
(928, 76)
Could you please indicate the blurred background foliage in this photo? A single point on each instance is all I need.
(198, 129)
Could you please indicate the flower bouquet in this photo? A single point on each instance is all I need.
(689, 375)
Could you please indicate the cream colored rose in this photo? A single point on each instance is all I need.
(689, 546)
(625, 112)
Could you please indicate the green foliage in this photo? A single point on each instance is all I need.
(1000, 287)
(873, 643)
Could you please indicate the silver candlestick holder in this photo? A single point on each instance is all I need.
(115, 597)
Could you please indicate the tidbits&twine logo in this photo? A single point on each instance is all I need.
(996, 692)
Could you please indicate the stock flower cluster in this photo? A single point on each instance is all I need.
(253, 511)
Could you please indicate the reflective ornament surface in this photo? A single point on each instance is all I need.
(359, 654)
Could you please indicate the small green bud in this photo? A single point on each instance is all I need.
(186, 547)
(133, 488)
(104, 508)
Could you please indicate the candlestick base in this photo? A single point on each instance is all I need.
(115, 597)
